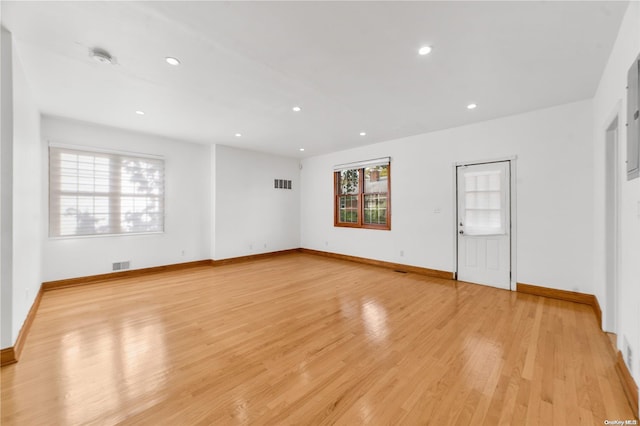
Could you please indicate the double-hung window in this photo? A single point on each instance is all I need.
(102, 193)
(362, 194)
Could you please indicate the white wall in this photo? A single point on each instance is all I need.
(251, 216)
(554, 199)
(21, 198)
(27, 200)
(187, 195)
(609, 100)
(6, 189)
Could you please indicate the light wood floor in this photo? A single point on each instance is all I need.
(300, 339)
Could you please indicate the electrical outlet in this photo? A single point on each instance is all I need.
(401, 253)
(250, 246)
(182, 252)
(265, 245)
(326, 243)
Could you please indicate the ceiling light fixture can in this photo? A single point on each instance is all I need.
(301, 149)
(297, 109)
(140, 112)
(238, 135)
(363, 134)
(471, 106)
(172, 61)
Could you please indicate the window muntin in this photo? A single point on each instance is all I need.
(97, 193)
(362, 197)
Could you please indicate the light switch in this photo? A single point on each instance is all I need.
(436, 210)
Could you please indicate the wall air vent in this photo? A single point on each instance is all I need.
(281, 184)
(120, 266)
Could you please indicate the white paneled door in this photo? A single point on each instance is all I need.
(484, 223)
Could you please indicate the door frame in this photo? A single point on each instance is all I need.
(612, 151)
(512, 216)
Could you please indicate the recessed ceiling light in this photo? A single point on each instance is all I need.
(238, 135)
(471, 106)
(101, 55)
(140, 112)
(424, 50)
(363, 134)
(301, 149)
(172, 61)
(297, 109)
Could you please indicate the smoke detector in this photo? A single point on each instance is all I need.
(101, 56)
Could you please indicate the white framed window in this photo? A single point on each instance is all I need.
(104, 193)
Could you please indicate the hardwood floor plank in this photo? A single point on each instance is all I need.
(301, 339)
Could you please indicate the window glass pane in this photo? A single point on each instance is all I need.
(375, 209)
(68, 207)
(139, 177)
(376, 179)
(84, 215)
(102, 168)
(483, 219)
(494, 200)
(140, 214)
(470, 182)
(348, 212)
(349, 181)
(483, 198)
(69, 183)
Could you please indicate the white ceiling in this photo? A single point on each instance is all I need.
(351, 66)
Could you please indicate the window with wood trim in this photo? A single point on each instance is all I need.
(363, 195)
(103, 193)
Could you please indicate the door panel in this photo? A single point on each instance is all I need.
(493, 255)
(484, 223)
(471, 261)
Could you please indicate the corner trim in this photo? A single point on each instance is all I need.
(11, 354)
(26, 326)
(569, 296)
(628, 384)
(91, 279)
(389, 265)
